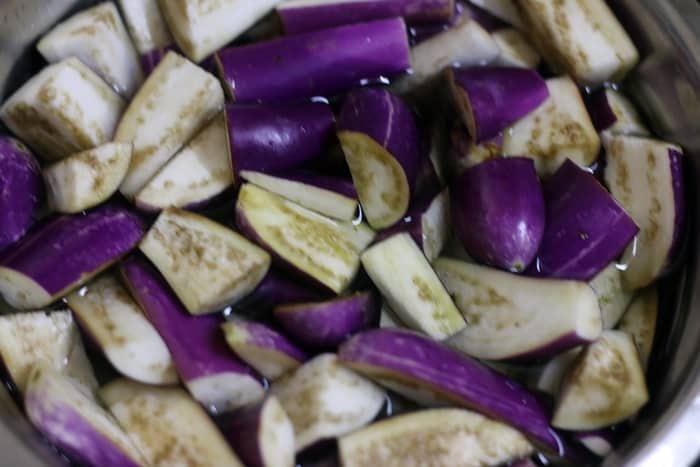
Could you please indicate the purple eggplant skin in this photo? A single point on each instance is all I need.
(327, 324)
(485, 19)
(586, 228)
(277, 289)
(150, 60)
(423, 31)
(264, 337)
(331, 13)
(338, 185)
(21, 190)
(320, 63)
(273, 138)
(489, 99)
(600, 442)
(498, 212)
(679, 222)
(602, 114)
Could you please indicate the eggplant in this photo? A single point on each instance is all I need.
(128, 340)
(208, 265)
(146, 24)
(277, 289)
(267, 351)
(514, 317)
(558, 129)
(599, 442)
(388, 319)
(166, 425)
(74, 422)
(176, 100)
(593, 47)
(212, 374)
(151, 60)
(83, 180)
(516, 50)
(422, 31)
(505, 10)
(552, 373)
(43, 338)
(612, 112)
(39, 115)
(613, 298)
(321, 251)
(605, 385)
(411, 288)
(98, 38)
(319, 63)
(651, 190)
(324, 399)
(378, 133)
(196, 175)
(436, 437)
(327, 324)
(639, 321)
(498, 211)
(65, 253)
(464, 153)
(22, 190)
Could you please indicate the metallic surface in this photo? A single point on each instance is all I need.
(667, 87)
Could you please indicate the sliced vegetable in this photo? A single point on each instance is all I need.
(39, 115)
(613, 112)
(516, 50)
(150, 60)
(423, 31)
(324, 400)
(464, 153)
(277, 289)
(485, 18)
(146, 24)
(640, 322)
(388, 319)
(599, 442)
(506, 10)
(85, 179)
(613, 298)
(320, 63)
(552, 374)
(64, 254)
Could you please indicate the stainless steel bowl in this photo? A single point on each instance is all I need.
(666, 86)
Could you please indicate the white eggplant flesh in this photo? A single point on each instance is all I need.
(627, 119)
(639, 321)
(505, 10)
(146, 24)
(551, 375)
(388, 319)
(612, 295)
(515, 48)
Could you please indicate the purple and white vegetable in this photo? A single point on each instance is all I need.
(146, 24)
(640, 322)
(551, 375)
(150, 60)
(516, 50)
(613, 298)
(388, 319)
(599, 442)
(464, 153)
(277, 289)
(612, 112)
(505, 10)
(65, 253)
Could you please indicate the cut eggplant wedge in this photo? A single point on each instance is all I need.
(613, 298)
(516, 50)
(437, 437)
(324, 400)
(115, 322)
(74, 422)
(167, 426)
(388, 319)
(515, 317)
(321, 250)
(88, 178)
(176, 100)
(146, 24)
(550, 377)
(505, 10)
(208, 265)
(64, 109)
(639, 321)
(411, 288)
(605, 385)
(612, 112)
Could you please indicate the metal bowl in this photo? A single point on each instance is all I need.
(666, 86)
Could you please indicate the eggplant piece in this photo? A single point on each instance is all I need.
(65, 253)
(277, 289)
(85, 179)
(388, 319)
(64, 109)
(613, 298)
(267, 351)
(586, 228)
(558, 129)
(599, 442)
(51, 339)
(464, 153)
(378, 133)
(505, 10)
(74, 422)
(584, 40)
(499, 212)
(167, 426)
(516, 50)
(151, 60)
(197, 174)
(115, 322)
(322, 251)
(612, 112)
(514, 317)
(175, 102)
(319, 63)
(208, 265)
(324, 400)
(327, 324)
(550, 377)
(436, 437)
(639, 321)
(23, 190)
(98, 38)
(146, 24)
(646, 177)
(411, 288)
(331, 196)
(422, 31)
(212, 374)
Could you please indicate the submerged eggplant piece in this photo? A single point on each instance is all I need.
(551, 375)
(22, 190)
(146, 24)
(599, 442)
(516, 50)
(98, 38)
(324, 400)
(64, 109)
(505, 10)
(74, 422)
(64, 254)
(378, 133)
(437, 437)
(388, 319)
(176, 100)
(613, 298)
(323, 251)
(464, 153)
(639, 321)
(115, 322)
(167, 426)
(84, 180)
(320, 63)
(277, 289)
(614, 113)
(515, 317)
